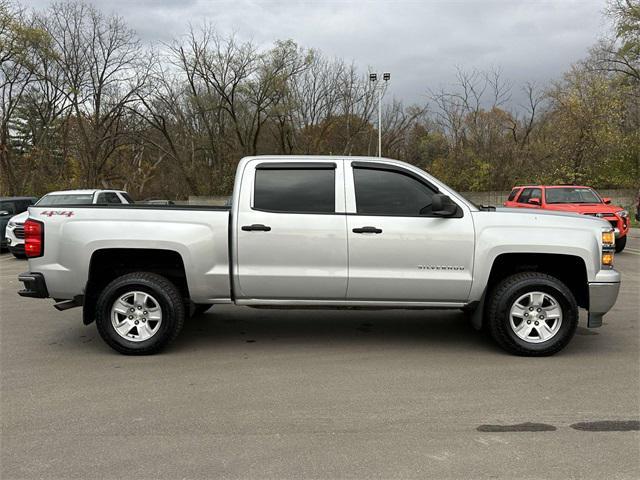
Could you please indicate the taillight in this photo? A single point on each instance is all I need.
(33, 238)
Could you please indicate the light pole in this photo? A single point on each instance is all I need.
(373, 77)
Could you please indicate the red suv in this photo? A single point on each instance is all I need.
(573, 198)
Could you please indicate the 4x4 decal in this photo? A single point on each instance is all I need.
(51, 213)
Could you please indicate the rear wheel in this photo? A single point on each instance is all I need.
(139, 313)
(532, 314)
(621, 243)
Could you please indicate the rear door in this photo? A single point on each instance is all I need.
(291, 231)
(399, 251)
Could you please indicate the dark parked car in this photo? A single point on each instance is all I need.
(10, 206)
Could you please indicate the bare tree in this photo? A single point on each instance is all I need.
(103, 71)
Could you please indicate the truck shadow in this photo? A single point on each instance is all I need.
(225, 325)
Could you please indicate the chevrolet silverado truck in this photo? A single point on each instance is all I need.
(324, 232)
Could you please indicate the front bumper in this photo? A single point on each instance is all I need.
(11, 238)
(602, 297)
(34, 285)
(17, 249)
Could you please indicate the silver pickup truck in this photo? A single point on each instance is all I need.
(326, 232)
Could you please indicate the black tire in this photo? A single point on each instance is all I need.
(170, 302)
(621, 243)
(19, 256)
(200, 308)
(503, 296)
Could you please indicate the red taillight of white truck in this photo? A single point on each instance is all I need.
(33, 238)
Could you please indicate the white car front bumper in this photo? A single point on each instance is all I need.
(15, 238)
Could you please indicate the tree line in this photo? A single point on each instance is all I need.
(84, 103)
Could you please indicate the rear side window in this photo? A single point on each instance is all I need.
(301, 190)
(513, 194)
(529, 193)
(65, 199)
(109, 198)
(384, 192)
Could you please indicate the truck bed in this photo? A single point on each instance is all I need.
(200, 234)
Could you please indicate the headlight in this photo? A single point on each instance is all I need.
(608, 239)
(608, 247)
(623, 213)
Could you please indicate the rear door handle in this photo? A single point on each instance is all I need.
(367, 230)
(256, 227)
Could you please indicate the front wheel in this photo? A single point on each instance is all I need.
(139, 313)
(621, 243)
(532, 314)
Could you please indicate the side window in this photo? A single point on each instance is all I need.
(295, 190)
(384, 192)
(108, 198)
(513, 194)
(529, 193)
(112, 197)
(525, 195)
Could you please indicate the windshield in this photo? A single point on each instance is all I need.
(572, 195)
(65, 199)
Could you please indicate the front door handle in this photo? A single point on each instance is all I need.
(256, 227)
(367, 230)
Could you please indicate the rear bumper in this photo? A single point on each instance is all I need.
(34, 285)
(602, 297)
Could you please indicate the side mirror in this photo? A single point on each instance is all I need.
(606, 200)
(535, 201)
(443, 206)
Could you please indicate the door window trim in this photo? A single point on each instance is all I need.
(295, 166)
(403, 171)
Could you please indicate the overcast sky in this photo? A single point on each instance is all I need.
(420, 42)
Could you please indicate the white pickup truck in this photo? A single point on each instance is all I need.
(326, 232)
(15, 228)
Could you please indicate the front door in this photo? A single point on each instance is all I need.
(291, 231)
(399, 251)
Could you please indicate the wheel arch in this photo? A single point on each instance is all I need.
(109, 263)
(569, 269)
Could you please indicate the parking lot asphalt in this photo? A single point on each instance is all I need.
(247, 393)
